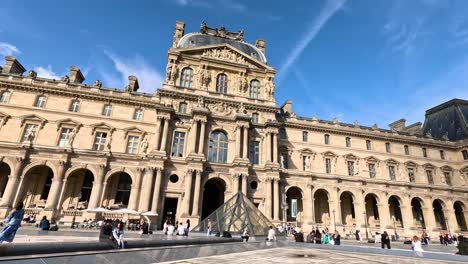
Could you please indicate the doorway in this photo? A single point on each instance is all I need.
(170, 210)
(213, 196)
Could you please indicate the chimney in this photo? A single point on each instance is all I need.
(178, 33)
(398, 125)
(13, 66)
(75, 75)
(132, 84)
(260, 44)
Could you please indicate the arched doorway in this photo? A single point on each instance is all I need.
(5, 171)
(118, 191)
(321, 207)
(295, 207)
(458, 207)
(213, 196)
(348, 214)
(439, 214)
(372, 210)
(418, 216)
(36, 186)
(395, 211)
(78, 189)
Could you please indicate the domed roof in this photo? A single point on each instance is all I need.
(193, 40)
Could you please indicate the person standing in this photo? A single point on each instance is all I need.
(208, 233)
(44, 224)
(170, 228)
(358, 236)
(337, 238)
(187, 227)
(271, 234)
(11, 224)
(118, 235)
(245, 235)
(181, 230)
(385, 240)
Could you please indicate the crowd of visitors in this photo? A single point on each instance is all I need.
(316, 236)
(179, 228)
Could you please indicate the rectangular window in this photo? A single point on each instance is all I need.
(442, 154)
(132, 144)
(348, 142)
(64, 136)
(391, 172)
(5, 97)
(74, 106)
(448, 180)
(465, 154)
(183, 108)
(107, 110)
(350, 167)
(328, 166)
(305, 136)
(138, 114)
(29, 132)
(372, 170)
(387, 147)
(424, 152)
(327, 139)
(368, 145)
(430, 178)
(178, 144)
(254, 152)
(100, 141)
(40, 101)
(255, 118)
(406, 150)
(411, 176)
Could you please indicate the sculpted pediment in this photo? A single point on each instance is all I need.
(33, 118)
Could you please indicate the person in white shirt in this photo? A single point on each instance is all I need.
(170, 229)
(271, 234)
(378, 238)
(417, 246)
(181, 230)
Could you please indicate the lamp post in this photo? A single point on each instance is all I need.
(76, 208)
(365, 221)
(334, 222)
(394, 228)
(285, 208)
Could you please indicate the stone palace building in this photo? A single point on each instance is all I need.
(214, 129)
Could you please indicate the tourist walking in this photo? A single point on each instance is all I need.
(358, 235)
(11, 224)
(118, 235)
(385, 240)
(44, 224)
(271, 234)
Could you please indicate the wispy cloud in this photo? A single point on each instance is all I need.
(148, 78)
(46, 72)
(327, 12)
(7, 49)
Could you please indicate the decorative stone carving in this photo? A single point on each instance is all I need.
(66, 79)
(222, 109)
(97, 84)
(144, 145)
(32, 74)
(31, 135)
(269, 87)
(200, 102)
(204, 76)
(243, 83)
(71, 137)
(225, 55)
(241, 109)
(307, 163)
(221, 32)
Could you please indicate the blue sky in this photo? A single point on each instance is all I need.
(372, 61)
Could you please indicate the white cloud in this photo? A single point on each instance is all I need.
(7, 49)
(327, 12)
(149, 79)
(46, 72)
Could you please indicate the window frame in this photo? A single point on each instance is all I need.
(186, 78)
(406, 149)
(388, 148)
(348, 142)
(326, 139)
(96, 145)
(424, 152)
(5, 99)
(222, 83)
(350, 166)
(430, 176)
(72, 106)
(254, 152)
(255, 118)
(39, 103)
(219, 152)
(105, 110)
(66, 138)
(254, 90)
(442, 154)
(138, 114)
(392, 172)
(464, 154)
(23, 137)
(368, 144)
(328, 166)
(134, 148)
(372, 172)
(184, 108)
(178, 144)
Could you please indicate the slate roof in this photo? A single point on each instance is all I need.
(447, 121)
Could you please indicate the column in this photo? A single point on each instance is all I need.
(164, 135)
(196, 194)
(157, 134)
(12, 184)
(238, 141)
(244, 184)
(246, 142)
(235, 183)
(384, 213)
(157, 190)
(187, 192)
(337, 207)
(56, 188)
(449, 213)
(429, 218)
(359, 210)
(275, 148)
(135, 191)
(268, 197)
(201, 144)
(193, 136)
(268, 147)
(407, 214)
(96, 193)
(144, 205)
(276, 183)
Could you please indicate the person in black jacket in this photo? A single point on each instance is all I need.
(385, 241)
(337, 238)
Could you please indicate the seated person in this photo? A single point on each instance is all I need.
(44, 224)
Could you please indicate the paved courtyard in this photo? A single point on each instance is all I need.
(300, 255)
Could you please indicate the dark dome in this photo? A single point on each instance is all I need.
(193, 40)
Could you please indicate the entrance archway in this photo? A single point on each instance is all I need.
(418, 216)
(348, 215)
(321, 207)
(80, 181)
(395, 211)
(372, 210)
(118, 191)
(213, 196)
(36, 186)
(439, 214)
(294, 201)
(460, 215)
(4, 173)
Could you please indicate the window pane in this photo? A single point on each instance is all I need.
(64, 137)
(138, 114)
(254, 152)
(5, 97)
(221, 83)
(100, 141)
(74, 106)
(217, 147)
(178, 144)
(186, 78)
(132, 144)
(29, 132)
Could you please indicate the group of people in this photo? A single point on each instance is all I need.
(317, 237)
(446, 238)
(179, 228)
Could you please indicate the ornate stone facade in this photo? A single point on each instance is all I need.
(211, 130)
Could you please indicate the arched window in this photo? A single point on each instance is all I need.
(217, 149)
(221, 83)
(186, 78)
(254, 89)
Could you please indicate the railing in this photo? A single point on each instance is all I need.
(72, 213)
(32, 211)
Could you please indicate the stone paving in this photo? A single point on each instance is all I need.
(300, 255)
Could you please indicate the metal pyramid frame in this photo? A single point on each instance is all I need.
(234, 216)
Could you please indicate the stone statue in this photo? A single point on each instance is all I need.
(241, 108)
(307, 163)
(201, 102)
(32, 74)
(31, 135)
(205, 77)
(269, 87)
(71, 137)
(144, 145)
(66, 79)
(174, 72)
(169, 71)
(282, 162)
(97, 83)
(243, 84)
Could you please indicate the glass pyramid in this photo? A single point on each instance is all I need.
(235, 215)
